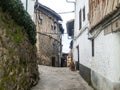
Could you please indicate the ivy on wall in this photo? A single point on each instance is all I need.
(20, 16)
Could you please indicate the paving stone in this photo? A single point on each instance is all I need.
(56, 78)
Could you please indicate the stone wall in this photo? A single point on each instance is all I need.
(18, 68)
(48, 48)
(48, 38)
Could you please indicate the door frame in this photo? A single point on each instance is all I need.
(78, 58)
(53, 61)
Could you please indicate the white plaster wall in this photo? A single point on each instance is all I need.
(80, 5)
(106, 61)
(30, 8)
(107, 56)
(85, 54)
(24, 3)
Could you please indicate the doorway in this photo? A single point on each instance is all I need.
(77, 63)
(53, 61)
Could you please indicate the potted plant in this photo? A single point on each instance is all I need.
(72, 66)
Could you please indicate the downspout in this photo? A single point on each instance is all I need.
(36, 0)
(26, 5)
(74, 2)
(70, 1)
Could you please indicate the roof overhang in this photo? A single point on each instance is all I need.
(40, 7)
(70, 27)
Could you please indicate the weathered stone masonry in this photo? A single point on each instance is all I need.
(18, 68)
(48, 35)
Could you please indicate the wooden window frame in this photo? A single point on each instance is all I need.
(40, 19)
(93, 48)
(80, 19)
(84, 14)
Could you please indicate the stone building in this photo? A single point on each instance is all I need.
(70, 32)
(49, 35)
(17, 52)
(81, 44)
(96, 42)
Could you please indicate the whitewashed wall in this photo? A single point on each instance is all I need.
(80, 5)
(85, 53)
(107, 56)
(105, 65)
(81, 36)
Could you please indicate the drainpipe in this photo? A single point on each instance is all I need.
(68, 11)
(26, 5)
(70, 1)
(36, 0)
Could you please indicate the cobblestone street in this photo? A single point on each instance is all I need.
(52, 78)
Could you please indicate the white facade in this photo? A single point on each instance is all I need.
(29, 6)
(106, 61)
(107, 58)
(81, 35)
(105, 64)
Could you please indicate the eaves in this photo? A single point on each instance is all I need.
(108, 19)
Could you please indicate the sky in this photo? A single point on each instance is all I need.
(61, 6)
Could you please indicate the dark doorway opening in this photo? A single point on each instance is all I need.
(62, 62)
(77, 63)
(53, 61)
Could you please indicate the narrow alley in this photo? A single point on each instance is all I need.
(54, 78)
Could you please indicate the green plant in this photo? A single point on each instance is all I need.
(16, 10)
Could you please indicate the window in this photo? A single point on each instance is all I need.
(52, 26)
(55, 28)
(78, 61)
(40, 19)
(53, 61)
(84, 13)
(80, 21)
(93, 47)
